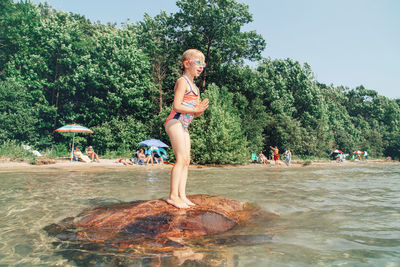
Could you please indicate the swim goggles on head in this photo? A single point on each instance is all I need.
(195, 61)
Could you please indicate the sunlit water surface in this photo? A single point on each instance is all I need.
(336, 216)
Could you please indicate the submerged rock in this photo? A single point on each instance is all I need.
(151, 227)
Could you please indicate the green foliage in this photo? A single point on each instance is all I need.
(393, 147)
(216, 136)
(58, 68)
(14, 150)
(119, 135)
(154, 36)
(214, 27)
(242, 81)
(116, 81)
(76, 72)
(57, 151)
(297, 112)
(18, 115)
(18, 24)
(285, 132)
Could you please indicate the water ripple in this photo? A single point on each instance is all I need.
(332, 216)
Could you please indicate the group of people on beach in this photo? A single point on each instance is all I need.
(275, 156)
(89, 156)
(143, 158)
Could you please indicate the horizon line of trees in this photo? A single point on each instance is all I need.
(58, 68)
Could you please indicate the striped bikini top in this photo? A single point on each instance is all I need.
(191, 95)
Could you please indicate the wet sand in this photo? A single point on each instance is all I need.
(9, 165)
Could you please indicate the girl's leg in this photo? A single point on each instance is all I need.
(176, 135)
(182, 185)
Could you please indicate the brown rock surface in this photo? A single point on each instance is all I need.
(156, 218)
(151, 227)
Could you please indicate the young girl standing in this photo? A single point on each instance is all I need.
(186, 105)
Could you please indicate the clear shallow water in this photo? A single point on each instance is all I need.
(336, 216)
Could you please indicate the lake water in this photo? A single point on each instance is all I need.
(328, 216)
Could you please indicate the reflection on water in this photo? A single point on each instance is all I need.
(342, 215)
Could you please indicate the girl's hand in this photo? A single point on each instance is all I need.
(205, 103)
(202, 106)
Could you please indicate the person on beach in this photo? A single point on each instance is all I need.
(149, 157)
(92, 155)
(262, 158)
(276, 154)
(141, 157)
(186, 105)
(125, 161)
(80, 156)
(288, 156)
(365, 155)
(157, 158)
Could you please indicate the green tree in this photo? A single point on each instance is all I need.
(393, 145)
(216, 136)
(58, 68)
(45, 61)
(374, 116)
(214, 27)
(344, 135)
(119, 135)
(18, 24)
(243, 82)
(115, 81)
(154, 38)
(293, 97)
(78, 72)
(18, 114)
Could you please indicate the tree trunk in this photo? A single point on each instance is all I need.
(205, 70)
(57, 94)
(161, 93)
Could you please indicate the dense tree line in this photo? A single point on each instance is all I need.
(58, 68)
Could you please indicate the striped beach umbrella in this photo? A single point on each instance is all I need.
(73, 128)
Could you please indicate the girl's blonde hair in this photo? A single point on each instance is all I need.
(192, 53)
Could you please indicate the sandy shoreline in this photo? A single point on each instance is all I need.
(60, 165)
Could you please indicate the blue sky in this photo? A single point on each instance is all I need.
(346, 42)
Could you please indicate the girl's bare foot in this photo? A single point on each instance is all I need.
(177, 203)
(187, 201)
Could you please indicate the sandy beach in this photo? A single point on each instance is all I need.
(66, 165)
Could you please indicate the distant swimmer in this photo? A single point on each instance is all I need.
(276, 154)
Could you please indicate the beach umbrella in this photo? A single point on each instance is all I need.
(73, 128)
(337, 151)
(358, 152)
(153, 142)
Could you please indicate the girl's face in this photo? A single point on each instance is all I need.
(195, 65)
